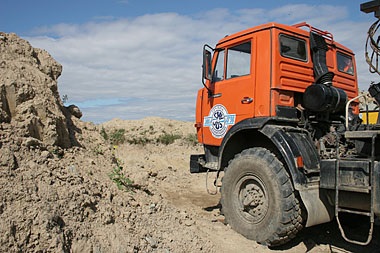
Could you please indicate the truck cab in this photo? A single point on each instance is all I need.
(263, 72)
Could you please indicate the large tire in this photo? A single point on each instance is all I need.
(258, 199)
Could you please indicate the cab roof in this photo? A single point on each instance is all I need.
(302, 29)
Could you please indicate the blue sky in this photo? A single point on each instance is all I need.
(131, 59)
(23, 16)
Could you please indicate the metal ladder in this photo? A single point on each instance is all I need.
(338, 187)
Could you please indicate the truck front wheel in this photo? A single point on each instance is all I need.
(258, 198)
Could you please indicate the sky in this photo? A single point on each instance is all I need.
(132, 59)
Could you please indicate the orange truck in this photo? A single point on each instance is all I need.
(278, 118)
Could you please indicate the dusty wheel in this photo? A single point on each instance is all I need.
(258, 199)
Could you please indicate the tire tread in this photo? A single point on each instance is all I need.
(291, 219)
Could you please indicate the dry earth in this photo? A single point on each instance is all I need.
(123, 186)
(165, 169)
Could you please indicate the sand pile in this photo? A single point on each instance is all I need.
(61, 187)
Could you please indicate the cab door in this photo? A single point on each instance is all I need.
(232, 92)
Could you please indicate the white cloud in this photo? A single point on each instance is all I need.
(155, 60)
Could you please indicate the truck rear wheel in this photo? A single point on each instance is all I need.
(258, 198)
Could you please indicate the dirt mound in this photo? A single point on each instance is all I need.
(61, 187)
(29, 92)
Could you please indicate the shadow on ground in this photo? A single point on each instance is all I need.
(356, 227)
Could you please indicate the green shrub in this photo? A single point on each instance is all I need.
(117, 137)
(121, 181)
(167, 139)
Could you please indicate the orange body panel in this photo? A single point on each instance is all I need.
(273, 79)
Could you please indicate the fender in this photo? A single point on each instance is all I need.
(294, 144)
(297, 150)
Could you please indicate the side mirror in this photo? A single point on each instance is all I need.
(206, 67)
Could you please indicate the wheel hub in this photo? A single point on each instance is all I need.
(253, 199)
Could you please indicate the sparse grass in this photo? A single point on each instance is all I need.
(141, 140)
(117, 137)
(144, 132)
(167, 139)
(104, 134)
(192, 139)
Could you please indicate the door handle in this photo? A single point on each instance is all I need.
(217, 95)
(247, 100)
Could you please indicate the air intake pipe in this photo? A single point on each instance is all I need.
(322, 96)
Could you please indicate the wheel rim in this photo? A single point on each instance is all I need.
(252, 198)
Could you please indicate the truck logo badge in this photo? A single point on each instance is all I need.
(218, 121)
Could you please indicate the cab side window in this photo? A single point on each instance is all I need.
(345, 63)
(239, 60)
(292, 47)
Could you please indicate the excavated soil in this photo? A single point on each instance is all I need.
(123, 186)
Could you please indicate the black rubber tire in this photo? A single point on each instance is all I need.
(258, 199)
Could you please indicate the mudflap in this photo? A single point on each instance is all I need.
(317, 206)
